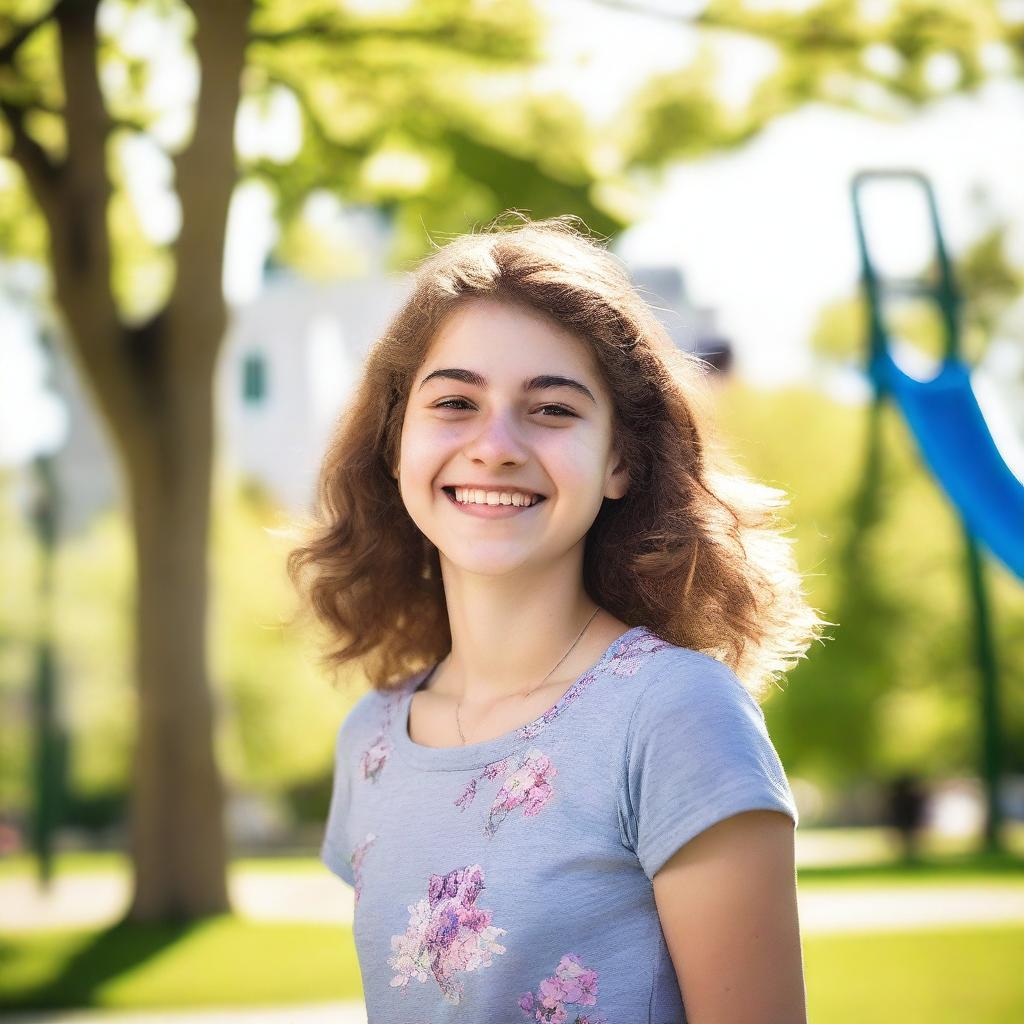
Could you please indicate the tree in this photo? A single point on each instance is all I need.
(884, 58)
(152, 378)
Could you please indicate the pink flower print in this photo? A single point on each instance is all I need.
(578, 983)
(527, 787)
(627, 662)
(538, 725)
(447, 934)
(467, 796)
(496, 768)
(375, 757)
(572, 984)
(376, 754)
(356, 860)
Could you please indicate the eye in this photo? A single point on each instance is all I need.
(460, 404)
(447, 403)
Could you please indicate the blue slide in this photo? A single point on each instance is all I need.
(956, 443)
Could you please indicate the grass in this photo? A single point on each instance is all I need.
(941, 976)
(933, 869)
(945, 976)
(959, 869)
(222, 960)
(951, 974)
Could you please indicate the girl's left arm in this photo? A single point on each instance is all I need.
(728, 908)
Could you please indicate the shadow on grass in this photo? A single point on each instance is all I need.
(923, 867)
(108, 955)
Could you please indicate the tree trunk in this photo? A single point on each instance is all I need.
(154, 386)
(178, 840)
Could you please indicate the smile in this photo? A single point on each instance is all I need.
(490, 511)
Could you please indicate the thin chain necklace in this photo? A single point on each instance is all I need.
(543, 681)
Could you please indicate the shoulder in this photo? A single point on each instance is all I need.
(371, 711)
(673, 680)
(697, 751)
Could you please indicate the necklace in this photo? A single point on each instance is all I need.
(543, 681)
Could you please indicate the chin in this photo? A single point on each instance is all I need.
(483, 564)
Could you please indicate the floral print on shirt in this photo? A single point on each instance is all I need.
(375, 756)
(446, 935)
(527, 785)
(624, 662)
(627, 662)
(529, 782)
(356, 860)
(572, 984)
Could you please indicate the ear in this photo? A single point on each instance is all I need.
(617, 482)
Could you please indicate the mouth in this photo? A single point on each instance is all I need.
(498, 507)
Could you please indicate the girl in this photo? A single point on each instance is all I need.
(558, 801)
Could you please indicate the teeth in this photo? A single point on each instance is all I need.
(474, 496)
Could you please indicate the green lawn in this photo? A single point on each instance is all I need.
(947, 976)
(224, 960)
(955, 974)
(1006, 869)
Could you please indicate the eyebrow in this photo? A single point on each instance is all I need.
(540, 383)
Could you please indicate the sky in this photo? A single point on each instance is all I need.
(763, 235)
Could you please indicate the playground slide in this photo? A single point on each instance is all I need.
(957, 444)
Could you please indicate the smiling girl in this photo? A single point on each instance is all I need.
(559, 800)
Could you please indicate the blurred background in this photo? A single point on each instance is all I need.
(207, 214)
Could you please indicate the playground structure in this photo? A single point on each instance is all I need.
(957, 445)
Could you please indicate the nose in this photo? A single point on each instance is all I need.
(496, 442)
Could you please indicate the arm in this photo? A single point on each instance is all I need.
(727, 903)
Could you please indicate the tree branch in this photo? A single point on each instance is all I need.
(79, 234)
(206, 173)
(10, 47)
(41, 173)
(452, 34)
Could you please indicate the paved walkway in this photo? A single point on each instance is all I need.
(90, 900)
(95, 900)
(318, 1013)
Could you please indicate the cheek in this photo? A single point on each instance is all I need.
(577, 455)
(425, 445)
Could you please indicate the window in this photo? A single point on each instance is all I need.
(254, 378)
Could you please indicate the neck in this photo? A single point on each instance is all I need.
(508, 632)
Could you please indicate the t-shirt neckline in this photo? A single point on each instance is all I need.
(479, 755)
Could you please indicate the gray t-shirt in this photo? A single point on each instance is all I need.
(512, 879)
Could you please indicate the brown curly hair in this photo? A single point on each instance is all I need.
(694, 551)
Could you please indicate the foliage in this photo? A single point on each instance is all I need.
(897, 687)
(885, 59)
(277, 715)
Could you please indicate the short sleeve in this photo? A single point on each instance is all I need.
(334, 851)
(697, 752)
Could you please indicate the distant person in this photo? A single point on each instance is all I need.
(908, 800)
(559, 785)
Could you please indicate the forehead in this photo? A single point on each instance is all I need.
(487, 333)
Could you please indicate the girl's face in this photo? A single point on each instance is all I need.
(506, 401)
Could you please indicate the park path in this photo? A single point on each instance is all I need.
(315, 1013)
(93, 900)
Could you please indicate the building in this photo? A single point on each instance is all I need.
(289, 361)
